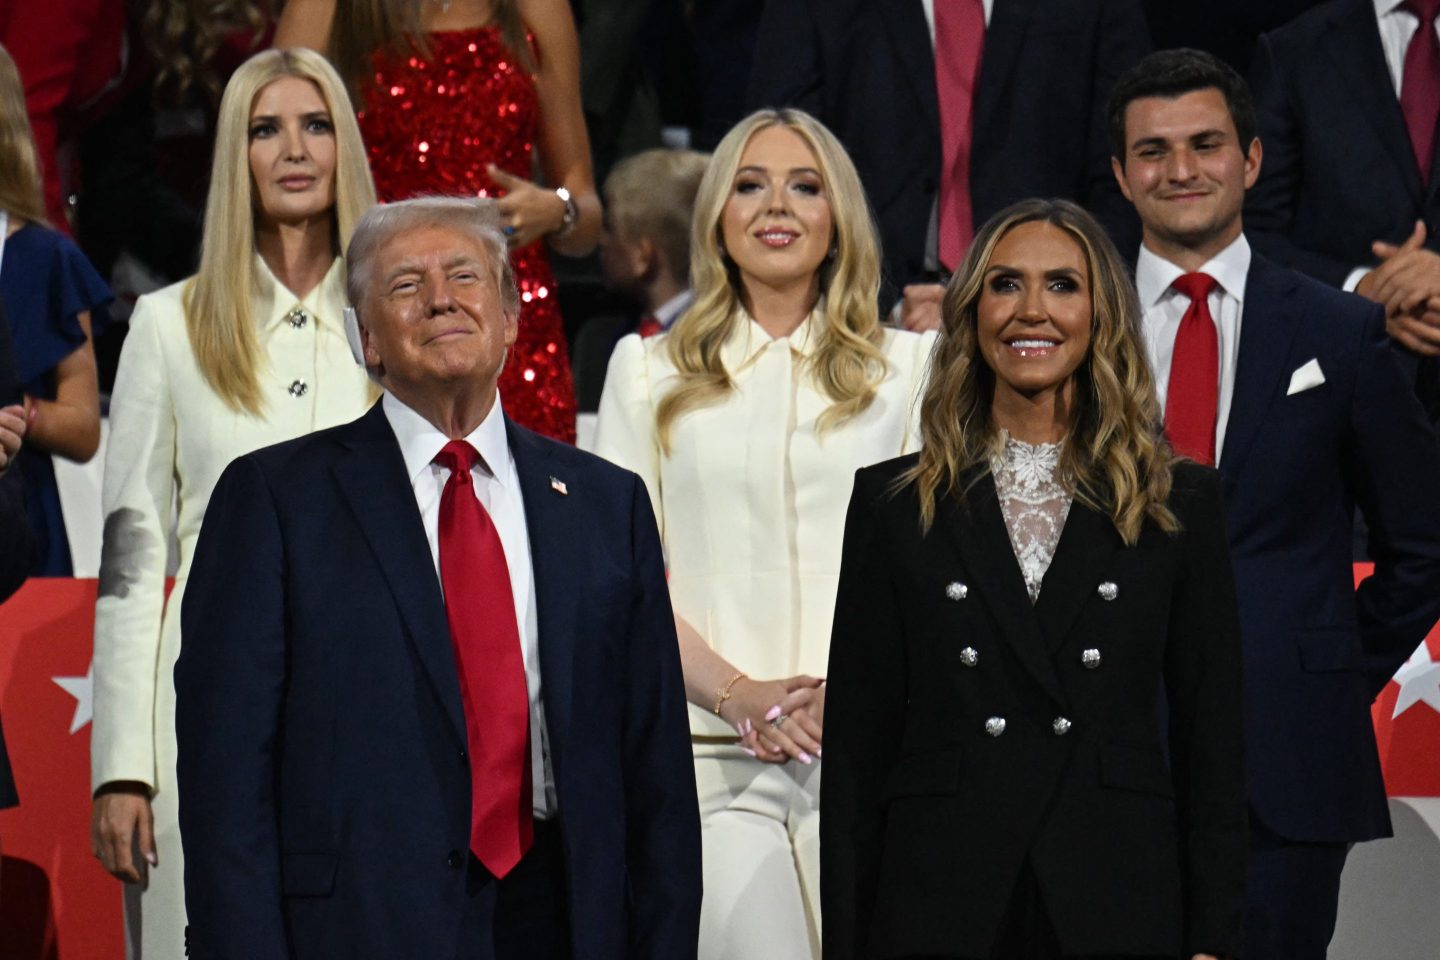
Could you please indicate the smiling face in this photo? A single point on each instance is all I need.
(1034, 313)
(1186, 173)
(292, 152)
(433, 319)
(777, 224)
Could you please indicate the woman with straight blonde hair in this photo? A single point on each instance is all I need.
(248, 352)
(1018, 601)
(54, 304)
(747, 421)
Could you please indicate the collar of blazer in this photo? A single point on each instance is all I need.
(371, 477)
(1268, 324)
(1036, 632)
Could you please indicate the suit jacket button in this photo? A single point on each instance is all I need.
(463, 756)
(995, 726)
(298, 388)
(1108, 591)
(454, 860)
(956, 590)
(1061, 726)
(1090, 658)
(969, 657)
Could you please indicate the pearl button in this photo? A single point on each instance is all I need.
(1061, 726)
(1108, 591)
(995, 726)
(1090, 658)
(299, 388)
(969, 657)
(956, 590)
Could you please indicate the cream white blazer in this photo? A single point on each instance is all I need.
(170, 438)
(751, 498)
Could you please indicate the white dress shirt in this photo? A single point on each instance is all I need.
(1163, 307)
(929, 6)
(497, 487)
(668, 312)
(1397, 28)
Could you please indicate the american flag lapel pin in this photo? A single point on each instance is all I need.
(559, 487)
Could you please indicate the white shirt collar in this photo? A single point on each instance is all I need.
(1154, 274)
(275, 300)
(666, 313)
(1386, 7)
(420, 441)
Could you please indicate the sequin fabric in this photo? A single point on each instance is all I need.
(431, 126)
(1034, 504)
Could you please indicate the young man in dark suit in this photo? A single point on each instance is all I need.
(1291, 386)
(1348, 98)
(954, 109)
(430, 701)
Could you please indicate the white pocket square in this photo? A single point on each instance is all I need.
(1305, 378)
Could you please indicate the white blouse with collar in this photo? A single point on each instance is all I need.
(751, 499)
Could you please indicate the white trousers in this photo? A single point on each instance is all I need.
(760, 838)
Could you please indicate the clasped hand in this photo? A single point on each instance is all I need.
(529, 212)
(12, 434)
(755, 707)
(1407, 284)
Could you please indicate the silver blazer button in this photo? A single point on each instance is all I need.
(969, 656)
(956, 590)
(1090, 658)
(1108, 591)
(1061, 726)
(995, 726)
(299, 388)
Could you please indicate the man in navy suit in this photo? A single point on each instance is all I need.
(1348, 99)
(430, 702)
(1292, 386)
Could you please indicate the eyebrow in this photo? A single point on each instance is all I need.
(273, 118)
(1053, 272)
(415, 266)
(1162, 141)
(793, 170)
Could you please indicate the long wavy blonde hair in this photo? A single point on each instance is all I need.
(847, 363)
(183, 37)
(1115, 459)
(21, 193)
(218, 298)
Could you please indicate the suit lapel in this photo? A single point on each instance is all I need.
(905, 19)
(977, 529)
(1004, 39)
(551, 519)
(371, 476)
(1352, 48)
(1086, 544)
(1268, 323)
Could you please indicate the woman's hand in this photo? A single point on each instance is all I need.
(12, 434)
(121, 820)
(754, 710)
(529, 212)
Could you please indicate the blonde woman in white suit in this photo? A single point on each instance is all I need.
(747, 422)
(248, 352)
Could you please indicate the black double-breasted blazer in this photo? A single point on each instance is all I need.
(1095, 734)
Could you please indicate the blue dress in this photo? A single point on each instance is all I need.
(45, 283)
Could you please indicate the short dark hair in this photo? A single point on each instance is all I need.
(1173, 73)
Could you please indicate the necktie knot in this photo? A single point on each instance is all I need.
(1425, 10)
(458, 457)
(1195, 286)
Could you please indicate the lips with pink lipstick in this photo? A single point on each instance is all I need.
(1030, 347)
(297, 182)
(777, 237)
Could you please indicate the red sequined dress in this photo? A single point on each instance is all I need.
(431, 125)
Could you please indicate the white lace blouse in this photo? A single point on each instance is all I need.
(1034, 504)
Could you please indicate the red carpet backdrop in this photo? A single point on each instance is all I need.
(56, 903)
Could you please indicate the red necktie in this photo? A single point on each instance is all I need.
(481, 609)
(1193, 397)
(959, 42)
(648, 326)
(1420, 84)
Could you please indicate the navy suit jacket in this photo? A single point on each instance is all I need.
(1317, 650)
(16, 541)
(866, 68)
(323, 780)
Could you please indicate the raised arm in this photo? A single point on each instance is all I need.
(305, 23)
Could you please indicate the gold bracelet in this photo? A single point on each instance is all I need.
(723, 693)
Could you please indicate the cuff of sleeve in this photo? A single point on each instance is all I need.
(1353, 278)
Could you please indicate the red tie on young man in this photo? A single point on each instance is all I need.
(649, 326)
(1420, 84)
(1193, 397)
(959, 43)
(480, 607)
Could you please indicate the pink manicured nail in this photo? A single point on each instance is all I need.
(806, 758)
(151, 859)
(750, 752)
(773, 712)
(817, 752)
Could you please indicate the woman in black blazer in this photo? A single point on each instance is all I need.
(1034, 731)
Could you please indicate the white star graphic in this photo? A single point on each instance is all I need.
(1419, 682)
(83, 690)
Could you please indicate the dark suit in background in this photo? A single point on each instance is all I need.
(16, 542)
(866, 69)
(324, 783)
(932, 812)
(1339, 170)
(1317, 650)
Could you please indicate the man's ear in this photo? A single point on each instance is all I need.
(1253, 157)
(1117, 167)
